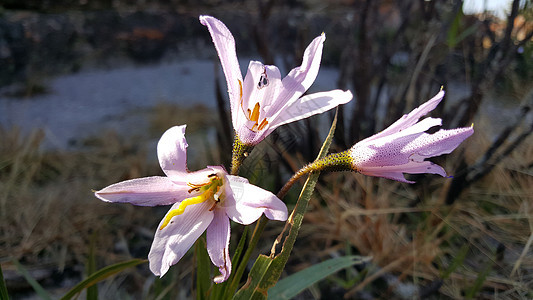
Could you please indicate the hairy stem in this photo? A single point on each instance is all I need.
(240, 152)
(341, 161)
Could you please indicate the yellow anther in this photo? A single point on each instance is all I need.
(240, 90)
(263, 124)
(254, 116)
(210, 189)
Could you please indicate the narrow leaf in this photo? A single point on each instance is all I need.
(101, 275)
(203, 269)
(457, 261)
(267, 270)
(34, 284)
(3, 287)
(92, 291)
(291, 286)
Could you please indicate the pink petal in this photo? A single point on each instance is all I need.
(225, 46)
(301, 78)
(412, 167)
(172, 151)
(441, 142)
(417, 128)
(389, 153)
(310, 105)
(261, 90)
(218, 235)
(246, 202)
(407, 120)
(147, 191)
(173, 241)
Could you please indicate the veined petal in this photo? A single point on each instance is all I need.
(417, 128)
(147, 191)
(441, 142)
(412, 167)
(172, 152)
(301, 78)
(310, 105)
(225, 46)
(409, 119)
(218, 235)
(246, 202)
(173, 241)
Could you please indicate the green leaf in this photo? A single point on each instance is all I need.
(478, 284)
(291, 286)
(34, 284)
(3, 287)
(267, 270)
(203, 269)
(457, 261)
(92, 291)
(101, 275)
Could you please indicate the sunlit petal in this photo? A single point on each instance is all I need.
(218, 235)
(172, 151)
(173, 241)
(147, 191)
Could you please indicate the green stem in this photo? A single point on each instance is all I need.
(341, 161)
(334, 162)
(259, 228)
(240, 152)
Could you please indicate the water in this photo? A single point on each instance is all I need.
(86, 103)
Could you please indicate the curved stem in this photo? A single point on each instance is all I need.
(341, 161)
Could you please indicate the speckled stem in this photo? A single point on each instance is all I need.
(334, 162)
(240, 152)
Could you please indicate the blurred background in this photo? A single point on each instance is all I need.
(88, 87)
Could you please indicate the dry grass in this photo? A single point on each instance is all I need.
(414, 237)
(48, 215)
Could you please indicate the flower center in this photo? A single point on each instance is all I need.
(209, 190)
(253, 115)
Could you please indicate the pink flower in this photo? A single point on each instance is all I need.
(201, 200)
(264, 101)
(404, 146)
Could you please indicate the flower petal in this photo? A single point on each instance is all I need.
(412, 167)
(441, 142)
(417, 128)
(246, 202)
(218, 235)
(262, 84)
(310, 105)
(409, 119)
(173, 241)
(301, 78)
(147, 191)
(172, 151)
(225, 46)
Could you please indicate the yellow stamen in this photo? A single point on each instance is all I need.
(254, 116)
(263, 124)
(240, 90)
(209, 190)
